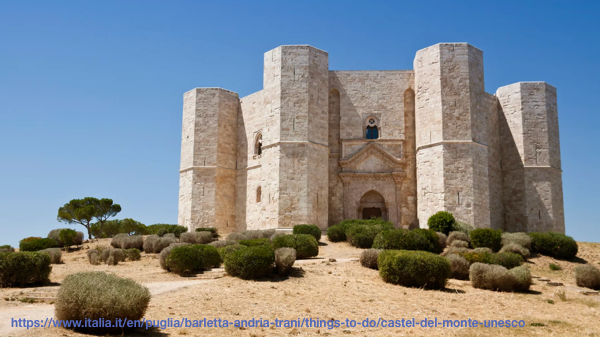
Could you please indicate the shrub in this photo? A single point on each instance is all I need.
(118, 241)
(133, 254)
(305, 245)
(113, 256)
(211, 255)
(155, 244)
(336, 234)
(134, 242)
(482, 250)
(234, 236)
(67, 237)
(6, 249)
(522, 277)
(257, 234)
(254, 242)
(77, 240)
(219, 244)
(165, 253)
(402, 239)
(442, 238)
(516, 249)
(162, 229)
(459, 244)
(587, 276)
(464, 227)
(308, 229)
(441, 222)
(491, 277)
(486, 237)
(507, 260)
(414, 268)
(460, 236)
(554, 266)
(362, 233)
(284, 260)
(455, 250)
(475, 257)
(23, 268)
(201, 237)
(187, 258)
(368, 258)
(36, 245)
(212, 230)
(54, 253)
(459, 267)
(553, 244)
(93, 256)
(95, 295)
(521, 239)
(31, 238)
(251, 262)
(224, 251)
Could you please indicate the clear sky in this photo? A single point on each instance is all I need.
(91, 91)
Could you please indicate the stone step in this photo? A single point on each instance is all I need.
(44, 299)
(556, 284)
(589, 292)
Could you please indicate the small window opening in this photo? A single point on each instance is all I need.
(258, 194)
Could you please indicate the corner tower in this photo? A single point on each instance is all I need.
(451, 133)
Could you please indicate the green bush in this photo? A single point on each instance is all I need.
(192, 258)
(361, 234)
(55, 255)
(336, 234)
(522, 277)
(284, 260)
(31, 238)
(402, 239)
(55, 235)
(68, 237)
(368, 258)
(165, 253)
(226, 250)
(441, 222)
(305, 245)
(197, 238)
(162, 229)
(133, 254)
(491, 277)
(414, 268)
(521, 239)
(113, 227)
(211, 256)
(481, 257)
(6, 249)
(587, 276)
(308, 229)
(251, 262)
(459, 267)
(254, 242)
(554, 244)
(95, 295)
(212, 230)
(517, 249)
(508, 260)
(24, 268)
(36, 245)
(486, 237)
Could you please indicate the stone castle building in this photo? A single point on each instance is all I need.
(318, 146)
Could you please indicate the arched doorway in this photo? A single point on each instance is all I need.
(372, 205)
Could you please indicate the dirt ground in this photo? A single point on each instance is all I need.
(340, 290)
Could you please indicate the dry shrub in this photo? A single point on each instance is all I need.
(95, 259)
(224, 243)
(284, 260)
(457, 236)
(113, 256)
(170, 235)
(55, 255)
(133, 254)
(252, 234)
(482, 250)
(455, 250)
(134, 242)
(55, 235)
(368, 258)
(95, 295)
(442, 240)
(235, 237)
(118, 241)
(522, 277)
(459, 244)
(491, 277)
(516, 249)
(521, 239)
(111, 261)
(196, 238)
(155, 244)
(587, 276)
(459, 267)
(6, 249)
(165, 253)
(91, 253)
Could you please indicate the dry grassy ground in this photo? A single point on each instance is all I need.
(341, 290)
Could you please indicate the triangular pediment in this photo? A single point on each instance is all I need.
(372, 159)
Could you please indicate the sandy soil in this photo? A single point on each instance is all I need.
(338, 290)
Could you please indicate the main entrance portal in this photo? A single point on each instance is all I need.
(372, 205)
(371, 212)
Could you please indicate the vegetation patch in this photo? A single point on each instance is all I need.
(308, 229)
(441, 222)
(414, 268)
(556, 245)
(24, 268)
(251, 262)
(305, 244)
(486, 237)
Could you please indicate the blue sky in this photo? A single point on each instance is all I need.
(91, 91)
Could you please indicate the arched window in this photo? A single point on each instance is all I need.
(371, 128)
(258, 144)
(258, 194)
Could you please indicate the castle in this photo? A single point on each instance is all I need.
(317, 146)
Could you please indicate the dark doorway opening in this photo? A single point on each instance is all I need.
(371, 212)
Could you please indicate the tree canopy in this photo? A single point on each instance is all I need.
(83, 211)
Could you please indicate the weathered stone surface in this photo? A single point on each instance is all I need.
(297, 150)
